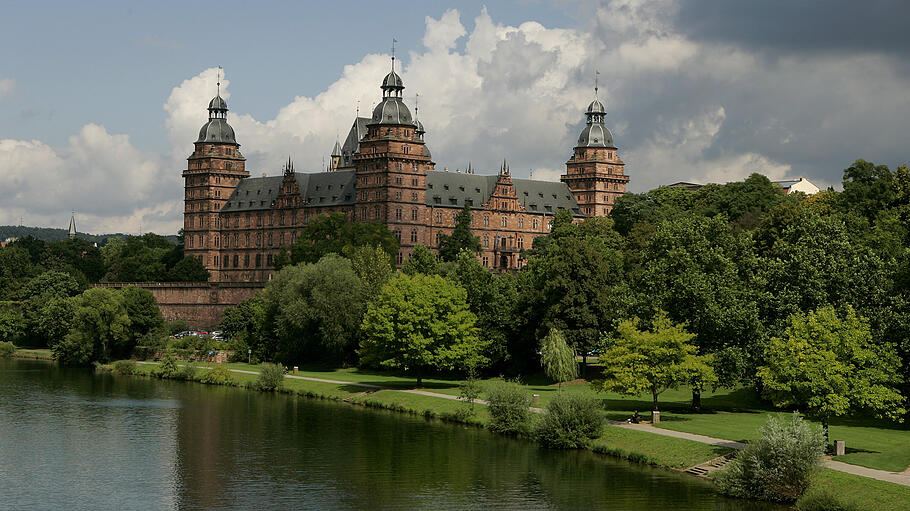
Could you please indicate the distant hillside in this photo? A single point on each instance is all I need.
(53, 234)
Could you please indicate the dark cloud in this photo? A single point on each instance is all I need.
(831, 26)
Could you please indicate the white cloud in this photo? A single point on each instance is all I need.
(680, 110)
(6, 87)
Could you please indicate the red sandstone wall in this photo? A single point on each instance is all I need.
(201, 304)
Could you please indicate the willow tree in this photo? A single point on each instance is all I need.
(558, 358)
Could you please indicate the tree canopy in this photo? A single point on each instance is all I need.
(332, 233)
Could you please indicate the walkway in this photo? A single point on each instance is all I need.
(902, 478)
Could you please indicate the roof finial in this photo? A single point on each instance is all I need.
(416, 104)
(218, 74)
(393, 53)
(596, 74)
(357, 114)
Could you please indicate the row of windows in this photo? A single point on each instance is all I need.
(227, 260)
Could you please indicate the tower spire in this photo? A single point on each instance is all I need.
(72, 230)
(218, 85)
(393, 53)
(596, 74)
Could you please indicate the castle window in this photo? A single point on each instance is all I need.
(414, 181)
(437, 200)
(399, 258)
(269, 260)
(407, 150)
(413, 235)
(536, 224)
(549, 223)
(236, 260)
(521, 242)
(486, 261)
(225, 260)
(236, 220)
(413, 213)
(270, 239)
(376, 213)
(398, 180)
(246, 260)
(397, 195)
(236, 240)
(217, 241)
(247, 244)
(521, 222)
(258, 239)
(249, 218)
(258, 260)
(398, 166)
(437, 238)
(397, 213)
(413, 196)
(486, 220)
(363, 214)
(189, 242)
(439, 217)
(504, 222)
(377, 195)
(486, 240)
(398, 235)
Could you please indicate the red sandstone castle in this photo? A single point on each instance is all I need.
(235, 224)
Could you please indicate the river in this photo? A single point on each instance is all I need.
(73, 439)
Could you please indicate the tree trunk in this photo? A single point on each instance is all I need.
(654, 394)
(584, 364)
(419, 377)
(696, 399)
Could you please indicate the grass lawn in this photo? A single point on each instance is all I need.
(863, 492)
(657, 449)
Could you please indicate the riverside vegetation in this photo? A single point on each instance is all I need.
(710, 292)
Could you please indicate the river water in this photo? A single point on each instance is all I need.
(72, 439)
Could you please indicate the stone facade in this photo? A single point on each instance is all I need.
(384, 172)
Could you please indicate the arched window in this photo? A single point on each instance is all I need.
(413, 213)
(413, 235)
(397, 213)
(486, 240)
(521, 222)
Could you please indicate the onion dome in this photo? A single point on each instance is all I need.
(217, 129)
(392, 109)
(595, 133)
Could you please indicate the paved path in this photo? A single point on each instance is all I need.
(902, 478)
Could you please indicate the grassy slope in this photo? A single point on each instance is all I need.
(736, 414)
(863, 492)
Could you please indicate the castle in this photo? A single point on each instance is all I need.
(236, 224)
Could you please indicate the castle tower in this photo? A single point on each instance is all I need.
(391, 168)
(213, 171)
(595, 173)
(336, 156)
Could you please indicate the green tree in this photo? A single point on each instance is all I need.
(493, 299)
(282, 259)
(829, 366)
(12, 324)
(332, 233)
(46, 308)
(422, 260)
(373, 266)
(461, 239)
(418, 323)
(650, 360)
(142, 309)
(100, 332)
(557, 358)
(317, 310)
(248, 324)
(572, 277)
(188, 269)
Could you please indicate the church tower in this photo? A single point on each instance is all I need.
(595, 173)
(213, 171)
(391, 168)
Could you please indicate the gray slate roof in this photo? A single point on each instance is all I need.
(352, 142)
(317, 189)
(453, 188)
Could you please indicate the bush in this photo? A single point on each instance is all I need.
(176, 326)
(186, 372)
(124, 367)
(271, 377)
(7, 349)
(508, 406)
(218, 375)
(778, 466)
(573, 420)
(469, 391)
(168, 367)
(824, 501)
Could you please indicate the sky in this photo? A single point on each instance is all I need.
(100, 102)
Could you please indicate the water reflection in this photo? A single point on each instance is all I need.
(76, 440)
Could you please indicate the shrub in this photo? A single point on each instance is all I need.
(508, 406)
(7, 349)
(168, 367)
(573, 419)
(271, 377)
(778, 466)
(469, 391)
(823, 501)
(218, 375)
(186, 372)
(124, 367)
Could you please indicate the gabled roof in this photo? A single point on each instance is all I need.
(254, 193)
(352, 142)
(316, 189)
